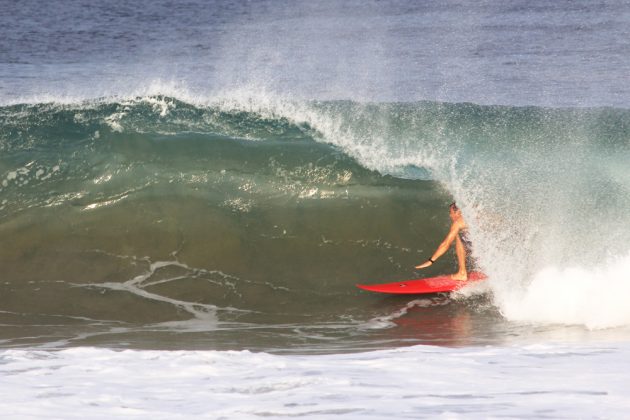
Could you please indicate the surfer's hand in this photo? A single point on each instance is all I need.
(425, 264)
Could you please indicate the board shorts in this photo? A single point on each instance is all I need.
(463, 236)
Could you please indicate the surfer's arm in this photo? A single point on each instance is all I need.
(446, 243)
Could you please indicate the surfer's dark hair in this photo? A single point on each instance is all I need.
(453, 206)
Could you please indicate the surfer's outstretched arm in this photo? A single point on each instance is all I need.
(446, 243)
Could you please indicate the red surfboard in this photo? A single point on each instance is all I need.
(422, 286)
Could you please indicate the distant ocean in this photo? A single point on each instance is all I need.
(189, 192)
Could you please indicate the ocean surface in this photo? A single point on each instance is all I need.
(190, 191)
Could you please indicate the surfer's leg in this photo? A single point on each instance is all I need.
(462, 274)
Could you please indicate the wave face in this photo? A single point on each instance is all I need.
(249, 219)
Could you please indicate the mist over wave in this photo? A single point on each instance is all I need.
(539, 53)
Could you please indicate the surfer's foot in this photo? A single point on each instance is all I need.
(460, 276)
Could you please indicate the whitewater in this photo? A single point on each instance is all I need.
(189, 194)
(413, 382)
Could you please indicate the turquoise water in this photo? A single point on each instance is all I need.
(153, 216)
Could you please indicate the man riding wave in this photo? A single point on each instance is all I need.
(458, 233)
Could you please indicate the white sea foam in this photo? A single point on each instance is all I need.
(387, 321)
(205, 315)
(414, 382)
(596, 297)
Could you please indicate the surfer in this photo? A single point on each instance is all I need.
(458, 234)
